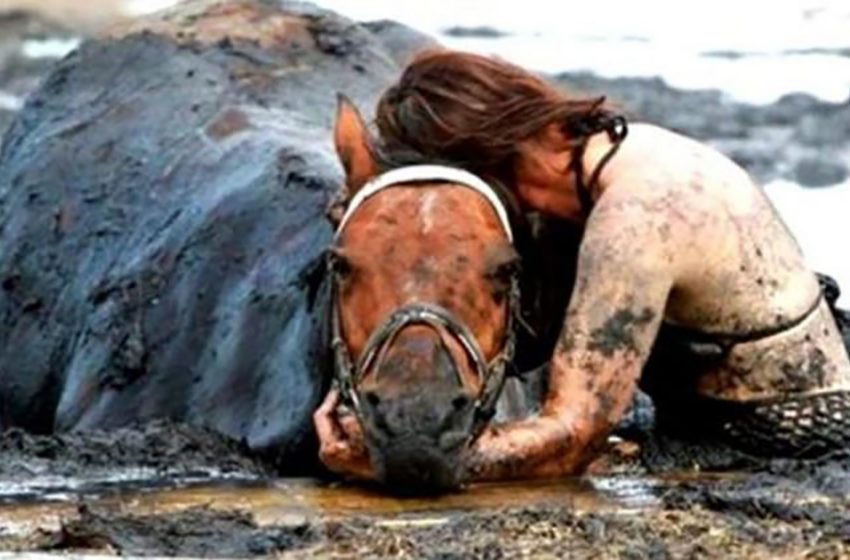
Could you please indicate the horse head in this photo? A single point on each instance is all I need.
(425, 291)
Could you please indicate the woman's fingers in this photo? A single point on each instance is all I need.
(349, 424)
(324, 419)
(341, 446)
(332, 446)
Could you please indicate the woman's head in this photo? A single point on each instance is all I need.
(480, 113)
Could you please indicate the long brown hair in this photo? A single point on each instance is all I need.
(472, 111)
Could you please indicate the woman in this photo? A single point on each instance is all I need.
(677, 238)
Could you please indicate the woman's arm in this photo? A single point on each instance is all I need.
(624, 278)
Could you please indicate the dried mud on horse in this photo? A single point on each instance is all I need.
(162, 201)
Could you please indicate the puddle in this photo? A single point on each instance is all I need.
(40, 506)
(294, 517)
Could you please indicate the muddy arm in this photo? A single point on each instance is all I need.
(614, 315)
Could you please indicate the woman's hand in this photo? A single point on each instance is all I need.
(341, 445)
(540, 447)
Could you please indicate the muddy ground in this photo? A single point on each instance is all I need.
(197, 494)
(540, 532)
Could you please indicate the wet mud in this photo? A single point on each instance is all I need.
(781, 513)
(160, 449)
(175, 490)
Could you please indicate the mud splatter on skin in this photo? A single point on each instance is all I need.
(804, 376)
(617, 334)
(566, 343)
(606, 406)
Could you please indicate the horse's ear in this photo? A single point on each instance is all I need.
(353, 146)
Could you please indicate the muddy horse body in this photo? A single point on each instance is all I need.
(162, 201)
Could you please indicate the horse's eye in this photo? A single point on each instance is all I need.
(501, 277)
(504, 272)
(339, 265)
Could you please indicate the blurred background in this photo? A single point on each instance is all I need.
(767, 83)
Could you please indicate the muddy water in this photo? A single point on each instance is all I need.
(173, 491)
(29, 512)
(685, 515)
(282, 501)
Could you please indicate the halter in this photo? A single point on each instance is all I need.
(492, 374)
(424, 173)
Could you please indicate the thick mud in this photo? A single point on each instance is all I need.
(162, 223)
(33, 465)
(173, 490)
(764, 516)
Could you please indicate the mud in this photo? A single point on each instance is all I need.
(162, 224)
(161, 448)
(782, 513)
(196, 532)
(798, 137)
(196, 493)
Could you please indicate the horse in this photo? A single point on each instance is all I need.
(425, 309)
(162, 256)
(162, 230)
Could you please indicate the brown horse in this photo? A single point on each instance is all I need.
(425, 291)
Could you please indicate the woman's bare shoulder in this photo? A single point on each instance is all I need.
(668, 148)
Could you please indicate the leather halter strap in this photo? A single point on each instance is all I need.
(427, 173)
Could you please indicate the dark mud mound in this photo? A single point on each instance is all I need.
(557, 532)
(162, 201)
(815, 492)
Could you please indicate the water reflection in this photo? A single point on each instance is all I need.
(291, 501)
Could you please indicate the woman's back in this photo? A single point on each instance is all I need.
(740, 268)
(742, 282)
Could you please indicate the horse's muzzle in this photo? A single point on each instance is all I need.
(418, 466)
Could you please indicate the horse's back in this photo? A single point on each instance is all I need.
(162, 203)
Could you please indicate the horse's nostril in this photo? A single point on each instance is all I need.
(372, 398)
(461, 402)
